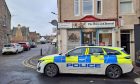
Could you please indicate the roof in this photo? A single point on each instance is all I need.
(90, 18)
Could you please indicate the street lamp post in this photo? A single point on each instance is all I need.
(55, 23)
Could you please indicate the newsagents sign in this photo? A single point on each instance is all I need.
(103, 24)
(100, 24)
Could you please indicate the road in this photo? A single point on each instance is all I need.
(13, 71)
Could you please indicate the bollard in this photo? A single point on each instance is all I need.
(41, 52)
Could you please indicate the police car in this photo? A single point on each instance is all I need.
(101, 60)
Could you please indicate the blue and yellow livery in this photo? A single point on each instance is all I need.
(110, 61)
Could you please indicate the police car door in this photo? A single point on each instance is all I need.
(75, 60)
(97, 60)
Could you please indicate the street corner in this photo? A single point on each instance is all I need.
(136, 70)
(31, 62)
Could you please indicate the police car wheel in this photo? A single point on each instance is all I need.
(113, 71)
(51, 70)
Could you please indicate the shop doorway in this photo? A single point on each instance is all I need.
(125, 40)
(87, 38)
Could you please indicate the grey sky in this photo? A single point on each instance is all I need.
(35, 14)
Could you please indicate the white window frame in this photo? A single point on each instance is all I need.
(92, 8)
(78, 8)
(132, 12)
(101, 7)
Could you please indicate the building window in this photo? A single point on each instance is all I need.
(99, 7)
(87, 7)
(76, 7)
(126, 6)
(105, 39)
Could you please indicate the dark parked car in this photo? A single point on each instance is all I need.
(33, 45)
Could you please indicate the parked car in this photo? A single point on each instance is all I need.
(19, 47)
(33, 45)
(54, 41)
(101, 60)
(10, 48)
(26, 45)
(42, 42)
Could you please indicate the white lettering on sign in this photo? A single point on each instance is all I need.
(103, 24)
(100, 24)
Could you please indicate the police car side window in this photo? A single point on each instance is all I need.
(78, 51)
(95, 51)
(111, 52)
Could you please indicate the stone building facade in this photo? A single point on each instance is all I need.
(33, 36)
(5, 23)
(20, 34)
(97, 22)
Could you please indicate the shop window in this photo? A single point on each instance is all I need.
(87, 38)
(87, 7)
(126, 6)
(105, 39)
(76, 7)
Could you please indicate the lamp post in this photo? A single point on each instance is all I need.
(55, 23)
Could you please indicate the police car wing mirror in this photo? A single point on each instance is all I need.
(60, 53)
(67, 55)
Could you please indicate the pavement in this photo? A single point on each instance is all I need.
(31, 62)
(136, 70)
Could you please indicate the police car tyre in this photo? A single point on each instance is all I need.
(51, 70)
(113, 71)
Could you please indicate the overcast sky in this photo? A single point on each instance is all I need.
(35, 14)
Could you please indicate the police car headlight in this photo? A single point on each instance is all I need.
(39, 61)
(128, 57)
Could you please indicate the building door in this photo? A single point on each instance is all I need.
(137, 43)
(87, 38)
(125, 40)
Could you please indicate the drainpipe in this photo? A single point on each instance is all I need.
(117, 15)
(59, 4)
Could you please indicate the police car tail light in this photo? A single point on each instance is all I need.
(127, 57)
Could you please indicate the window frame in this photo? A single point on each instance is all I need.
(79, 1)
(74, 50)
(112, 50)
(95, 52)
(83, 8)
(126, 13)
(101, 7)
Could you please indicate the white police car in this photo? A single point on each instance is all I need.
(110, 61)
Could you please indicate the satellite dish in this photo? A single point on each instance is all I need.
(54, 22)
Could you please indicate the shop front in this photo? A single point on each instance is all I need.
(89, 31)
